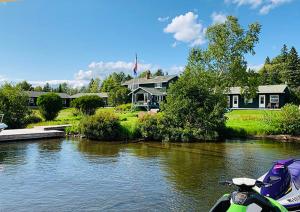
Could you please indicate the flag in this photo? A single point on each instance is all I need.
(135, 66)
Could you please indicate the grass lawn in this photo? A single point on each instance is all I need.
(68, 116)
(250, 121)
(246, 121)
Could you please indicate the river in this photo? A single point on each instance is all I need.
(73, 175)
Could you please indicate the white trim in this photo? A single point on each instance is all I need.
(235, 105)
(262, 105)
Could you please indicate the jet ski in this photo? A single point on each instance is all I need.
(284, 180)
(246, 198)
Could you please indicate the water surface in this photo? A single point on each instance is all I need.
(71, 175)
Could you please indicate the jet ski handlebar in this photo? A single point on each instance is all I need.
(245, 182)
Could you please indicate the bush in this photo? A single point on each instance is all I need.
(124, 108)
(104, 125)
(150, 126)
(14, 106)
(32, 118)
(49, 105)
(88, 104)
(286, 122)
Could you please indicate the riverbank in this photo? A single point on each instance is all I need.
(240, 123)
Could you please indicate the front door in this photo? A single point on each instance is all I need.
(262, 101)
(235, 101)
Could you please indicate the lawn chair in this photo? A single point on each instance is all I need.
(269, 105)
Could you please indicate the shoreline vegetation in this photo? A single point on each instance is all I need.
(240, 124)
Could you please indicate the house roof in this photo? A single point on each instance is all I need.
(157, 79)
(152, 91)
(261, 89)
(39, 93)
(102, 95)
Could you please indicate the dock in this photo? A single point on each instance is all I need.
(40, 132)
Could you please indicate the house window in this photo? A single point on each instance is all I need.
(64, 101)
(248, 100)
(158, 85)
(274, 98)
(31, 101)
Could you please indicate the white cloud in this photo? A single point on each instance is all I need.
(218, 18)
(271, 5)
(163, 19)
(251, 3)
(175, 70)
(264, 6)
(187, 28)
(2, 79)
(255, 67)
(54, 83)
(101, 70)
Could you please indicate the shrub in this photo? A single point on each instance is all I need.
(150, 126)
(104, 125)
(88, 104)
(285, 122)
(14, 106)
(49, 105)
(124, 108)
(32, 118)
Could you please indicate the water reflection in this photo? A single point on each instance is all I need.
(65, 175)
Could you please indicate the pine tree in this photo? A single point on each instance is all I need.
(268, 61)
(284, 53)
(293, 68)
(47, 87)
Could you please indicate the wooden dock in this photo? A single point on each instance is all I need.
(40, 132)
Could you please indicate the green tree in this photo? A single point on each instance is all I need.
(144, 74)
(95, 86)
(25, 86)
(293, 68)
(38, 88)
(267, 61)
(88, 104)
(228, 43)
(284, 53)
(114, 80)
(47, 87)
(49, 105)
(159, 72)
(14, 105)
(195, 106)
(118, 95)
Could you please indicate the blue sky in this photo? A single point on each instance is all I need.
(74, 40)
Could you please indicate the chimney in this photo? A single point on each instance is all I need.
(148, 74)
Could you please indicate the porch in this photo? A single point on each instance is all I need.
(149, 98)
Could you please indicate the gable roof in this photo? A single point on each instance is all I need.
(102, 95)
(262, 89)
(152, 91)
(157, 79)
(39, 93)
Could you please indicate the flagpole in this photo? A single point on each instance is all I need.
(134, 78)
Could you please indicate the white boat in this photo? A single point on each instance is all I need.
(2, 125)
